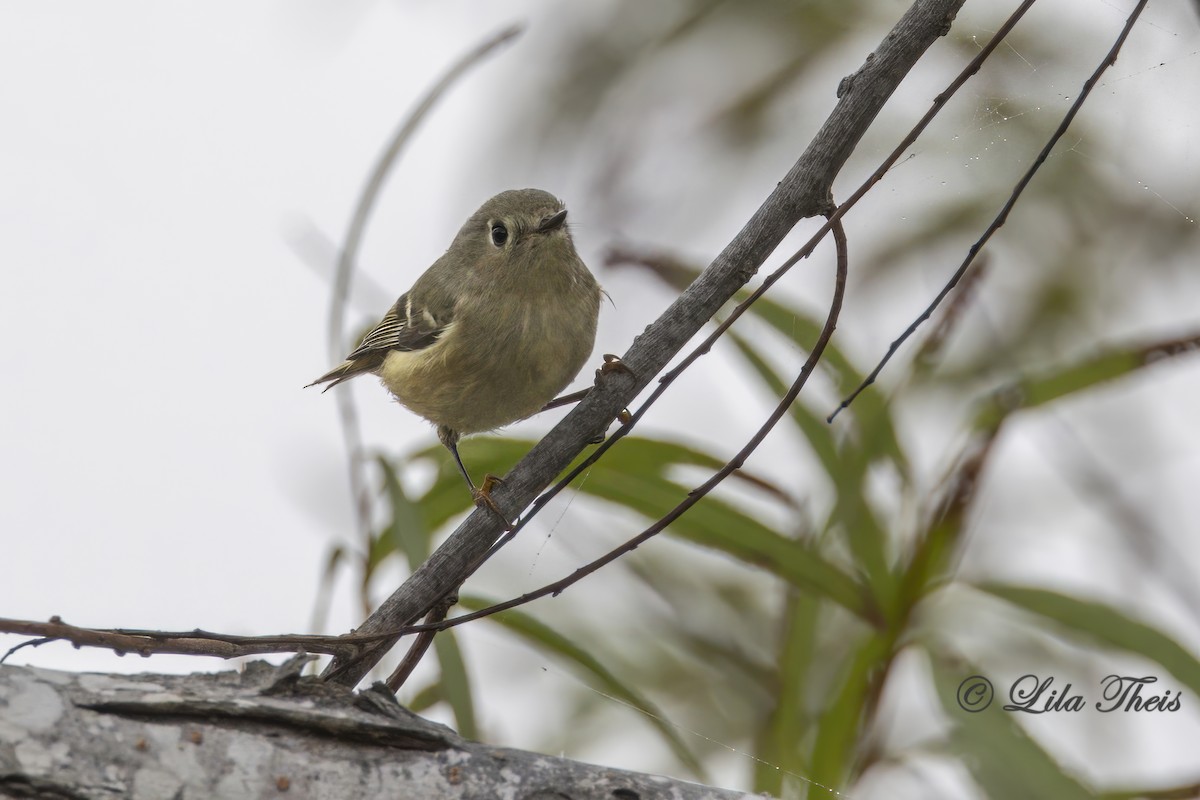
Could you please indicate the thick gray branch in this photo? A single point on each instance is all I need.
(804, 192)
(266, 733)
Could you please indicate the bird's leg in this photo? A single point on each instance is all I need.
(482, 496)
(566, 399)
(611, 364)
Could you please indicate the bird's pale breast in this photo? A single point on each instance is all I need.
(475, 379)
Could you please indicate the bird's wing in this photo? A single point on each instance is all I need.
(408, 325)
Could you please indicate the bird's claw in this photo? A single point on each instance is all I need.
(612, 364)
(483, 498)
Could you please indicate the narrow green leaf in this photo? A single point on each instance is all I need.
(321, 606)
(455, 683)
(847, 469)
(876, 431)
(1106, 625)
(426, 698)
(799, 327)
(631, 475)
(449, 496)
(840, 729)
(1036, 390)
(407, 535)
(715, 524)
(547, 640)
(497, 455)
(1004, 760)
(935, 553)
(779, 739)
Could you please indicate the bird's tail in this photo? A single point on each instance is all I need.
(343, 372)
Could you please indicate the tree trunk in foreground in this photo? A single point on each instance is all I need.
(266, 732)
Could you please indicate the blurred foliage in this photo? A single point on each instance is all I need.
(786, 645)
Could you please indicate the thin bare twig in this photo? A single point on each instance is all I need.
(1002, 216)
(952, 314)
(194, 643)
(416, 651)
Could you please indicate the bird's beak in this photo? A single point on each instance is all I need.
(552, 222)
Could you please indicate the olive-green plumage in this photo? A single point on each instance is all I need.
(492, 331)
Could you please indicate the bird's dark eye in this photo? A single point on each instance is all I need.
(499, 234)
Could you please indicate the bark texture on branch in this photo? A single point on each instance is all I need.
(266, 732)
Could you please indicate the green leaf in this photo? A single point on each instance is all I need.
(449, 496)
(632, 474)
(426, 698)
(1106, 625)
(936, 549)
(333, 562)
(875, 425)
(455, 683)
(547, 640)
(876, 432)
(498, 454)
(406, 534)
(1033, 391)
(1004, 760)
(779, 738)
(717, 525)
(840, 728)
(847, 469)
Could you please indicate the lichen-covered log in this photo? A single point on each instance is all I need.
(265, 732)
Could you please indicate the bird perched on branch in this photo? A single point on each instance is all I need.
(492, 331)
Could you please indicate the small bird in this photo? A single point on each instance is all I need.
(493, 331)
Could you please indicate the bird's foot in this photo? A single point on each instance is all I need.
(483, 498)
(623, 417)
(611, 365)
